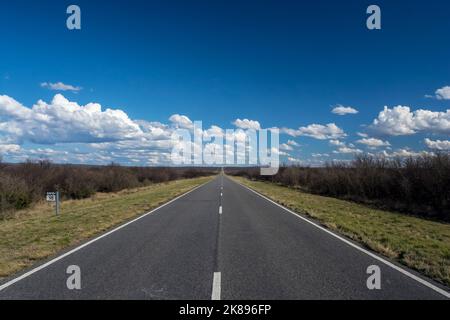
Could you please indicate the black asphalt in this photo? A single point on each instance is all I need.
(261, 251)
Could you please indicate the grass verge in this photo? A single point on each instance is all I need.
(420, 244)
(36, 233)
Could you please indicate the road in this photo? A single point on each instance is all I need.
(220, 241)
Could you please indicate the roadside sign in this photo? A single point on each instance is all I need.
(51, 196)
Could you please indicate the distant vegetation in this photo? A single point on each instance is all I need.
(24, 184)
(419, 186)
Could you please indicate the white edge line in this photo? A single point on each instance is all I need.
(390, 264)
(29, 273)
(216, 286)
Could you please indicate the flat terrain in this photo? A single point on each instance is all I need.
(417, 243)
(37, 233)
(220, 241)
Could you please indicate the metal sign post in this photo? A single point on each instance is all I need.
(57, 202)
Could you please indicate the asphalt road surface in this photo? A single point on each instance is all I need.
(220, 241)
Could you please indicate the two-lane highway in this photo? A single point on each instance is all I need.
(220, 241)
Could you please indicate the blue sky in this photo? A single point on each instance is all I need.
(284, 64)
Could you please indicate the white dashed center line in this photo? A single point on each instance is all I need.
(216, 286)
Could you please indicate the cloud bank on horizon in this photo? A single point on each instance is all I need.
(65, 131)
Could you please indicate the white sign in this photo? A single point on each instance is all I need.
(51, 196)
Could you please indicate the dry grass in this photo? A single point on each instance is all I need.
(420, 244)
(36, 233)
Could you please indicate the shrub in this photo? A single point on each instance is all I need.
(25, 183)
(417, 185)
(14, 193)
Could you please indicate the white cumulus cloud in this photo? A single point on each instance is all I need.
(362, 134)
(9, 148)
(401, 120)
(64, 121)
(442, 145)
(181, 121)
(59, 86)
(319, 155)
(347, 150)
(373, 142)
(441, 94)
(247, 124)
(342, 110)
(338, 143)
(286, 147)
(404, 153)
(317, 131)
